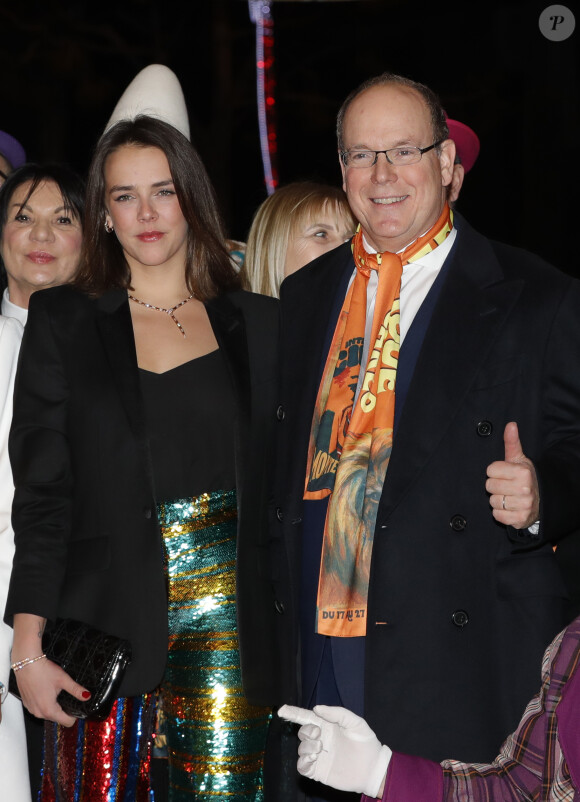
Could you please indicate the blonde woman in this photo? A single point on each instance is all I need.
(295, 225)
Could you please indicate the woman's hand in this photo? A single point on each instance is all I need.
(41, 681)
(39, 685)
(339, 748)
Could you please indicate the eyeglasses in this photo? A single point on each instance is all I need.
(397, 156)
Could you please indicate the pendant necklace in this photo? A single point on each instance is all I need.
(170, 312)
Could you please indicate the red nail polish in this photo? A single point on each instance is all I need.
(86, 695)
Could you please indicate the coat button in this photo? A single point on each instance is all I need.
(280, 414)
(279, 513)
(147, 512)
(458, 523)
(279, 606)
(460, 618)
(484, 428)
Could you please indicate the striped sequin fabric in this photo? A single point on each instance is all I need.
(215, 740)
(94, 760)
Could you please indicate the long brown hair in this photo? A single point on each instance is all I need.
(208, 269)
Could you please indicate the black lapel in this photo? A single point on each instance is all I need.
(475, 301)
(310, 302)
(229, 327)
(116, 332)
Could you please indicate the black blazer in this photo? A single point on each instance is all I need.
(460, 607)
(87, 540)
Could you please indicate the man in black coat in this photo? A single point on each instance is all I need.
(464, 591)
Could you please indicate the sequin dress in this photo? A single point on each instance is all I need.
(213, 739)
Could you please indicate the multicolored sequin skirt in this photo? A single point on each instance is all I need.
(213, 739)
(96, 761)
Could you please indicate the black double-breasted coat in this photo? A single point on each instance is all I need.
(460, 608)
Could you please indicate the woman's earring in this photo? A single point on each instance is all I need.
(109, 229)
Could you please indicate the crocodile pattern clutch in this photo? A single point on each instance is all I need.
(95, 660)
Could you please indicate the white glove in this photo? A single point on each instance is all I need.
(339, 748)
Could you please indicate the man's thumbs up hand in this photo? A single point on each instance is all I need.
(512, 444)
(513, 484)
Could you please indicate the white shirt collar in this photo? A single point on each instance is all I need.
(11, 310)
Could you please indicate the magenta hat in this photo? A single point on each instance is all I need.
(12, 150)
(466, 142)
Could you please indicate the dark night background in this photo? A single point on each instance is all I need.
(65, 64)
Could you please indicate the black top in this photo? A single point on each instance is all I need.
(190, 404)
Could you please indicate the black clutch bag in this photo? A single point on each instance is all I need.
(95, 660)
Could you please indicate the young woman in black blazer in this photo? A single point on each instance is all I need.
(140, 449)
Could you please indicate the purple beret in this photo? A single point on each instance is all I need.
(12, 150)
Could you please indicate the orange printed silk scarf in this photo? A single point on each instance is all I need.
(350, 444)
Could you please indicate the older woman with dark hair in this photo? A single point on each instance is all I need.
(41, 219)
(41, 214)
(140, 446)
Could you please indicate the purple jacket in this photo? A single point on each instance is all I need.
(540, 761)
